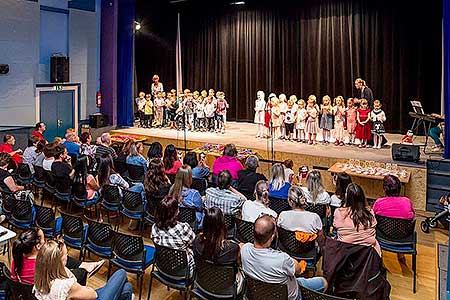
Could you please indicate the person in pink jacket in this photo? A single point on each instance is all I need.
(228, 161)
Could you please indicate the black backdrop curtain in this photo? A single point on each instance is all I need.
(313, 47)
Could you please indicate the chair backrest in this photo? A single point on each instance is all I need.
(99, 234)
(244, 231)
(308, 294)
(257, 290)
(120, 166)
(199, 184)
(393, 229)
(111, 194)
(45, 217)
(72, 226)
(17, 290)
(289, 243)
(22, 211)
(278, 204)
(50, 180)
(215, 279)
(172, 263)
(248, 195)
(8, 201)
(128, 247)
(230, 224)
(135, 172)
(187, 215)
(39, 173)
(320, 209)
(63, 185)
(23, 171)
(132, 201)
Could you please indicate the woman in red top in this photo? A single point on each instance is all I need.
(171, 161)
(7, 146)
(363, 126)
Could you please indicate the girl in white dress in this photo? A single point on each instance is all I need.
(301, 121)
(260, 105)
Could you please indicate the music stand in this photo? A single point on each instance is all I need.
(417, 107)
(420, 119)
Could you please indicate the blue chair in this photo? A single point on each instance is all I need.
(110, 199)
(63, 190)
(135, 173)
(22, 214)
(99, 239)
(73, 231)
(133, 207)
(47, 222)
(188, 215)
(308, 294)
(172, 269)
(39, 181)
(398, 236)
(308, 251)
(79, 198)
(8, 201)
(24, 175)
(130, 254)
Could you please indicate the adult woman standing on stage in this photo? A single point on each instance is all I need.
(366, 92)
(156, 86)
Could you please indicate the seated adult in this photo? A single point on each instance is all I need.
(248, 177)
(436, 132)
(211, 244)
(341, 181)
(393, 205)
(135, 156)
(62, 169)
(278, 186)
(53, 280)
(187, 197)
(123, 152)
(168, 232)
(7, 182)
(8, 142)
(171, 161)
(224, 196)
(298, 219)
(355, 221)
(29, 154)
(261, 262)
(199, 168)
(40, 153)
(251, 210)
(39, 130)
(73, 148)
(25, 249)
(156, 182)
(314, 191)
(105, 146)
(86, 148)
(228, 161)
(155, 150)
(49, 155)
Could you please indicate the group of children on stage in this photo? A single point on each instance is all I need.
(204, 111)
(301, 120)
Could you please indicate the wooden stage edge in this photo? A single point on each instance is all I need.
(318, 156)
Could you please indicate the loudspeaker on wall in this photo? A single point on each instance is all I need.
(59, 69)
(403, 152)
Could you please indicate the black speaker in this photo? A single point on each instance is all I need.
(403, 152)
(4, 69)
(98, 120)
(59, 69)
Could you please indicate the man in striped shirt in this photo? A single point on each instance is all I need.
(104, 147)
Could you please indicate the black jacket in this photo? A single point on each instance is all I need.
(354, 270)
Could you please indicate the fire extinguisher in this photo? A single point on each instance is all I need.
(99, 100)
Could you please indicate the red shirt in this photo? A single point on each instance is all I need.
(38, 134)
(27, 273)
(8, 149)
(176, 165)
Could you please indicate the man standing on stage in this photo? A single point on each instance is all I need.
(366, 92)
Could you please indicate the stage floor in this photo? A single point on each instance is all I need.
(243, 135)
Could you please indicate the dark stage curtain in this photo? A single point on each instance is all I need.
(316, 47)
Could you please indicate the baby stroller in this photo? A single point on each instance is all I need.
(442, 212)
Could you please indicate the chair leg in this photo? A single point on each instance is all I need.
(414, 267)
(141, 283)
(109, 270)
(150, 287)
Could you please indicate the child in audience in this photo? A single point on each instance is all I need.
(210, 110)
(350, 115)
(289, 118)
(339, 119)
(301, 121)
(288, 172)
(312, 127)
(363, 127)
(283, 108)
(140, 102)
(148, 111)
(221, 111)
(260, 105)
(326, 120)
(378, 117)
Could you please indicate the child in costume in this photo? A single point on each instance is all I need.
(363, 126)
(326, 119)
(290, 117)
(350, 116)
(339, 120)
(260, 105)
(148, 111)
(140, 102)
(312, 126)
(301, 121)
(378, 117)
(221, 111)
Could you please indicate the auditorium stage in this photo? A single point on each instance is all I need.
(315, 156)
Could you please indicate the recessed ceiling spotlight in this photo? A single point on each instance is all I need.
(238, 3)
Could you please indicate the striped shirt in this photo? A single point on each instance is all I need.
(102, 150)
(226, 200)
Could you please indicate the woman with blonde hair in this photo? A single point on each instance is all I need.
(187, 197)
(278, 186)
(252, 210)
(53, 281)
(135, 156)
(314, 191)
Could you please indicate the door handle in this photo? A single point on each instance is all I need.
(59, 123)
